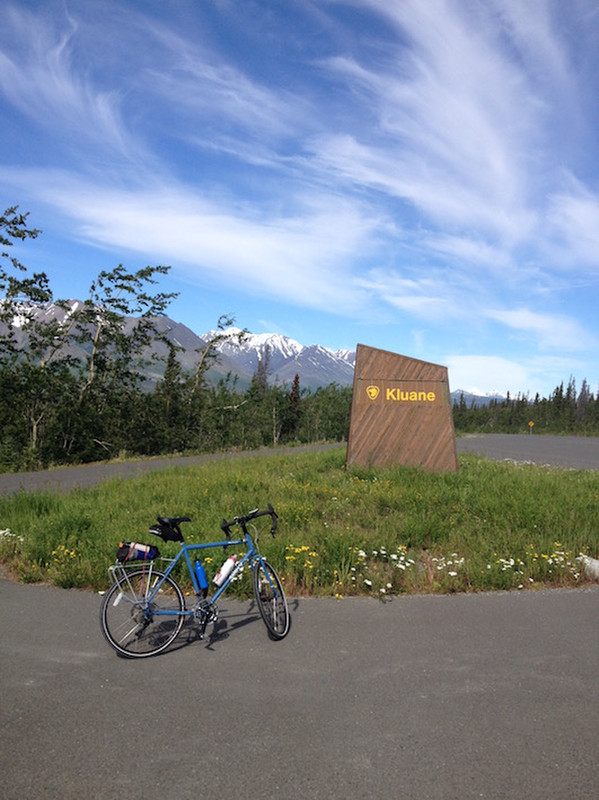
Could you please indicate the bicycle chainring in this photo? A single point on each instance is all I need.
(205, 613)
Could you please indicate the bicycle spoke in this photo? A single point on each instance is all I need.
(134, 632)
(271, 600)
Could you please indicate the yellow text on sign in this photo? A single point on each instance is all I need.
(410, 397)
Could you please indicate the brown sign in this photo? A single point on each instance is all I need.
(401, 413)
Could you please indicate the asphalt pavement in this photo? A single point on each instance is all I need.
(568, 452)
(573, 452)
(64, 479)
(428, 697)
(486, 696)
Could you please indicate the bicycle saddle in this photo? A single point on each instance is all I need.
(168, 528)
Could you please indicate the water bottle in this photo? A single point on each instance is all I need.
(224, 572)
(140, 551)
(201, 577)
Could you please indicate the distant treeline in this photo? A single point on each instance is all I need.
(566, 411)
(47, 422)
(59, 409)
(51, 416)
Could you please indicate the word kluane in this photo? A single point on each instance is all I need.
(399, 395)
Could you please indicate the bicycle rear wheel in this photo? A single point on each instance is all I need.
(134, 626)
(271, 600)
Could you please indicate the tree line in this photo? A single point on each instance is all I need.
(565, 411)
(61, 408)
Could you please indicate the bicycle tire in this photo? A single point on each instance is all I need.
(131, 631)
(271, 600)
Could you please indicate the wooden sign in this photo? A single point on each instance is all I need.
(401, 413)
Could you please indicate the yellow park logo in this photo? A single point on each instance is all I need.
(372, 392)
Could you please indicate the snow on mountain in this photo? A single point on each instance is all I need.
(317, 366)
(476, 396)
(285, 358)
(257, 345)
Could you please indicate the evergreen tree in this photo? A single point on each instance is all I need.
(293, 412)
(166, 421)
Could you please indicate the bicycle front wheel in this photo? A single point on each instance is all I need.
(134, 625)
(271, 600)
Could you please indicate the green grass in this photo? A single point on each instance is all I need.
(491, 525)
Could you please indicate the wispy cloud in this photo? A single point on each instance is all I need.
(422, 170)
(573, 214)
(447, 137)
(290, 257)
(424, 297)
(38, 75)
(204, 86)
(549, 330)
(497, 374)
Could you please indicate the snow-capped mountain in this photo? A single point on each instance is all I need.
(284, 358)
(475, 397)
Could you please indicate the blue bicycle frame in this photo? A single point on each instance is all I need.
(184, 553)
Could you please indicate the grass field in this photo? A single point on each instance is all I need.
(491, 525)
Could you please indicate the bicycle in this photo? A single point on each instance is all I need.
(144, 609)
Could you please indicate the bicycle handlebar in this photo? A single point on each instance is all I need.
(226, 526)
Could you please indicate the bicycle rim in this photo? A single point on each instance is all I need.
(131, 625)
(271, 600)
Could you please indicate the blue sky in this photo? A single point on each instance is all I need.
(419, 175)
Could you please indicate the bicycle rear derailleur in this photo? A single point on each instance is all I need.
(204, 613)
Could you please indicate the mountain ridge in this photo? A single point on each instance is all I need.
(239, 354)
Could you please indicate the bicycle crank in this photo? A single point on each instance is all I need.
(205, 613)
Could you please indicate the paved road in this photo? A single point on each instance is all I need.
(573, 452)
(561, 451)
(67, 478)
(488, 696)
